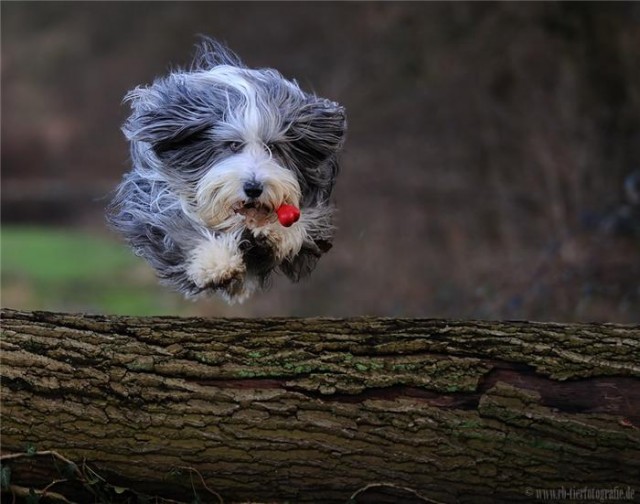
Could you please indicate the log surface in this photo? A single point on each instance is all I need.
(315, 410)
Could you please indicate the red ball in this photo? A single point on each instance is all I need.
(288, 214)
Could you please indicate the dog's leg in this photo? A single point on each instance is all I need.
(285, 242)
(314, 227)
(217, 263)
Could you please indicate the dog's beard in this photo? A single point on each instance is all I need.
(219, 193)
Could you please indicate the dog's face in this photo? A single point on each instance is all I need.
(226, 137)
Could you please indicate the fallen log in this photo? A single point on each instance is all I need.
(316, 410)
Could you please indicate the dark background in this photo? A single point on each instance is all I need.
(491, 168)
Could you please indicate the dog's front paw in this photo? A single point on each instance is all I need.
(284, 242)
(214, 266)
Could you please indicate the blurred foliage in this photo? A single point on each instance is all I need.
(485, 175)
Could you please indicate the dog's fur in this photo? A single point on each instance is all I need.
(197, 137)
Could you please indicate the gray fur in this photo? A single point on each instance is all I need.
(185, 125)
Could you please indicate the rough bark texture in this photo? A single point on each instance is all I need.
(313, 410)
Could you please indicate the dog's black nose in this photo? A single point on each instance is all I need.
(252, 189)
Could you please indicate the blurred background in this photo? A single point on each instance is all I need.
(492, 167)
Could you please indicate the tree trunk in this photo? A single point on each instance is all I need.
(317, 410)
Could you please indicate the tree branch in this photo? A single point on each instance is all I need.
(325, 410)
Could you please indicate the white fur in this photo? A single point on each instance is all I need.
(285, 241)
(216, 260)
(220, 190)
(253, 121)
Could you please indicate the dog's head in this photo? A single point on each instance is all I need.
(226, 136)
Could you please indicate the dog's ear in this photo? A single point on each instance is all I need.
(210, 53)
(164, 121)
(164, 131)
(315, 136)
(317, 130)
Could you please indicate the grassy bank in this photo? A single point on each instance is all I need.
(71, 270)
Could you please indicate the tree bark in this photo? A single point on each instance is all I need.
(317, 410)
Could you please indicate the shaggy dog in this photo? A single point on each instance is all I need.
(225, 159)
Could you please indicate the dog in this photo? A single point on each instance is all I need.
(217, 149)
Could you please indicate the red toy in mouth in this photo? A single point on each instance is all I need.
(288, 215)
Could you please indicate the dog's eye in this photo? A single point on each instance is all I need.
(234, 146)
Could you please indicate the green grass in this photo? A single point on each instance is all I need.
(49, 255)
(59, 269)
